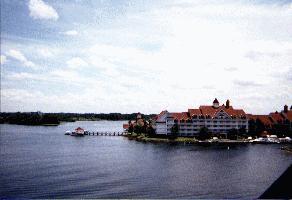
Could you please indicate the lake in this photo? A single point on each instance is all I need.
(42, 162)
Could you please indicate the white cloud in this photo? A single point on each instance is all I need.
(71, 33)
(199, 46)
(66, 75)
(17, 55)
(45, 52)
(3, 59)
(76, 62)
(178, 55)
(38, 9)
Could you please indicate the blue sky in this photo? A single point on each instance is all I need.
(147, 56)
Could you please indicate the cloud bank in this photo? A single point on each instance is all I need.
(38, 9)
(153, 56)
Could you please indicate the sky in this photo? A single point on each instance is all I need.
(102, 56)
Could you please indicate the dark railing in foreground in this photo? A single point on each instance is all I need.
(106, 133)
(281, 188)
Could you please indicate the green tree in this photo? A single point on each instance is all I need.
(260, 127)
(242, 131)
(252, 127)
(204, 133)
(174, 130)
(138, 129)
(150, 131)
(232, 134)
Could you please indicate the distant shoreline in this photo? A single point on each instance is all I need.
(39, 118)
(61, 122)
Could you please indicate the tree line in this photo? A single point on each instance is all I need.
(38, 118)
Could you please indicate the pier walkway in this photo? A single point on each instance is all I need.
(106, 133)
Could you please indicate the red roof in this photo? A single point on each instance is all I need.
(79, 129)
(250, 116)
(194, 112)
(205, 111)
(277, 117)
(208, 110)
(211, 111)
(265, 119)
(180, 116)
(125, 126)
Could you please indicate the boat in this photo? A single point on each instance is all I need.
(285, 140)
(214, 139)
(260, 140)
(68, 133)
(273, 139)
(270, 139)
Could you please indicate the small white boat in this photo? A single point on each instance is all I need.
(285, 140)
(214, 139)
(273, 139)
(260, 140)
(68, 133)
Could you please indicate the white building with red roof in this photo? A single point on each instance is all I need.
(218, 119)
(275, 122)
(79, 131)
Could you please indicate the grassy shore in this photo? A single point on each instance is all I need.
(183, 140)
(145, 138)
(49, 124)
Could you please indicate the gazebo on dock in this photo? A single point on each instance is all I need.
(79, 131)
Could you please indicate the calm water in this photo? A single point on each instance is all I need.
(41, 162)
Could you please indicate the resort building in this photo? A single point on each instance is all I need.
(217, 119)
(275, 122)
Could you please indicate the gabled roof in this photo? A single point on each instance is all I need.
(210, 110)
(160, 114)
(277, 117)
(180, 116)
(206, 111)
(265, 119)
(251, 117)
(220, 111)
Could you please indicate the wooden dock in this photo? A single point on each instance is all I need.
(106, 133)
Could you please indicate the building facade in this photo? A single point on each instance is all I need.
(217, 119)
(274, 123)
